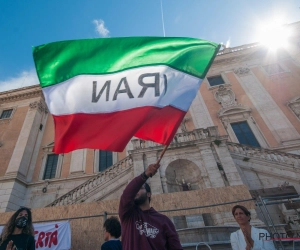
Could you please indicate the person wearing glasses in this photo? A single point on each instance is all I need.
(248, 237)
(18, 233)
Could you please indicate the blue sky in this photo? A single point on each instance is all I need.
(27, 23)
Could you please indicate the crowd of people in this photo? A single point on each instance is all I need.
(141, 226)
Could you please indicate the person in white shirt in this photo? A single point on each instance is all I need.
(248, 237)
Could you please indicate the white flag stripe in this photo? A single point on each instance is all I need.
(157, 86)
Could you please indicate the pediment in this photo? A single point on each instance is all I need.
(294, 100)
(294, 105)
(49, 145)
(234, 110)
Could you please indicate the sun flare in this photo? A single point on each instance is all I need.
(274, 35)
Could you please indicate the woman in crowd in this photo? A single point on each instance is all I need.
(248, 237)
(18, 233)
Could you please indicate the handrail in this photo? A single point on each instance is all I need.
(203, 243)
(189, 136)
(264, 154)
(75, 194)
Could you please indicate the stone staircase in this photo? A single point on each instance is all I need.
(249, 152)
(96, 187)
(102, 185)
(116, 176)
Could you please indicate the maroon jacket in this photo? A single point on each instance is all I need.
(144, 230)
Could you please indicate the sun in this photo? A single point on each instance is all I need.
(274, 34)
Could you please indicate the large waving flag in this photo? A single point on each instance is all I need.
(102, 92)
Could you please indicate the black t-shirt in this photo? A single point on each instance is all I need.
(21, 241)
(112, 245)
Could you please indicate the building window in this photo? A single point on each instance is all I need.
(215, 80)
(106, 159)
(6, 113)
(244, 134)
(51, 165)
(273, 69)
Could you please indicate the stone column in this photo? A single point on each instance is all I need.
(277, 122)
(138, 168)
(78, 162)
(211, 167)
(154, 182)
(228, 165)
(12, 195)
(138, 164)
(14, 189)
(199, 112)
(37, 148)
(21, 157)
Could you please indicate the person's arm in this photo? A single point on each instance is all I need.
(173, 242)
(233, 241)
(129, 193)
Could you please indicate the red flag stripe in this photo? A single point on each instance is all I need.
(112, 131)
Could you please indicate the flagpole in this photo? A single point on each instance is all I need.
(162, 18)
(160, 157)
(162, 154)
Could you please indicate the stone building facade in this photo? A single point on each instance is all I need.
(243, 128)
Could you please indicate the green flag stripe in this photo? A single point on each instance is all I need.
(59, 61)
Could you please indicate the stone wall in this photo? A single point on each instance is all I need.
(87, 232)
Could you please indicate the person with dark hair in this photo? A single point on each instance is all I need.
(112, 233)
(142, 226)
(18, 233)
(248, 237)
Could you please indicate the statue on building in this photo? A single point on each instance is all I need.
(185, 186)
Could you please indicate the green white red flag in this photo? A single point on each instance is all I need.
(102, 92)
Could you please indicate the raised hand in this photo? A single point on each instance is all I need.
(152, 170)
(10, 246)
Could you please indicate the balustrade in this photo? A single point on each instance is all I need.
(79, 192)
(197, 134)
(265, 154)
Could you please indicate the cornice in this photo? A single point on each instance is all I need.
(21, 96)
(227, 60)
(83, 177)
(236, 54)
(50, 181)
(233, 110)
(22, 181)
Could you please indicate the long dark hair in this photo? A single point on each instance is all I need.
(10, 225)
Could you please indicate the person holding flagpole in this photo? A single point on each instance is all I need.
(142, 226)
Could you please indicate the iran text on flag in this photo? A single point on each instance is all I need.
(102, 92)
